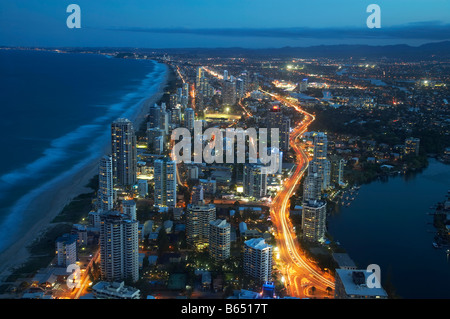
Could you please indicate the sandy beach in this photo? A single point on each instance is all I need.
(52, 202)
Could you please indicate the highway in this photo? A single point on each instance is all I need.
(300, 274)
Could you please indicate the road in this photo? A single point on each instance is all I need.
(300, 274)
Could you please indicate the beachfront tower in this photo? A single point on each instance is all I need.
(119, 253)
(165, 182)
(105, 184)
(66, 250)
(123, 141)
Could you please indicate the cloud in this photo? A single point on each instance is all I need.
(428, 30)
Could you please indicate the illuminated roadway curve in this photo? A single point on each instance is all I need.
(298, 266)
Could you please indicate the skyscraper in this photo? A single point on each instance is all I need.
(319, 164)
(119, 253)
(258, 259)
(199, 76)
(175, 116)
(314, 214)
(197, 194)
(275, 119)
(154, 117)
(105, 181)
(165, 182)
(129, 208)
(311, 187)
(154, 138)
(198, 219)
(240, 90)
(229, 93)
(255, 181)
(219, 240)
(189, 118)
(124, 157)
(337, 170)
(285, 131)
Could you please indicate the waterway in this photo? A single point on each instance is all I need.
(387, 224)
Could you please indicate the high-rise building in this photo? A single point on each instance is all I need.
(124, 156)
(246, 79)
(319, 163)
(189, 118)
(311, 187)
(173, 100)
(165, 173)
(158, 118)
(154, 138)
(314, 215)
(276, 119)
(219, 240)
(106, 186)
(198, 219)
(66, 250)
(142, 188)
(129, 208)
(337, 170)
(119, 253)
(154, 117)
(197, 195)
(229, 93)
(186, 88)
(412, 146)
(240, 90)
(255, 181)
(258, 259)
(175, 116)
(225, 75)
(285, 132)
(199, 76)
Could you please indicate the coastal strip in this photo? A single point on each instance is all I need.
(49, 204)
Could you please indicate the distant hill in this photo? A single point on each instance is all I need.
(402, 51)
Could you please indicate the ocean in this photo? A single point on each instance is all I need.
(56, 111)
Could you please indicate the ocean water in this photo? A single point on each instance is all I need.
(56, 110)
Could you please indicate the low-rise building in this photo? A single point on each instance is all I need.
(114, 290)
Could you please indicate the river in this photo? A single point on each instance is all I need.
(387, 224)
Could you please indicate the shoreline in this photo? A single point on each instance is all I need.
(52, 202)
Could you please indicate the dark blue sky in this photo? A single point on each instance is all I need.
(211, 23)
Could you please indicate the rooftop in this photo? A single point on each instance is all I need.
(348, 279)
